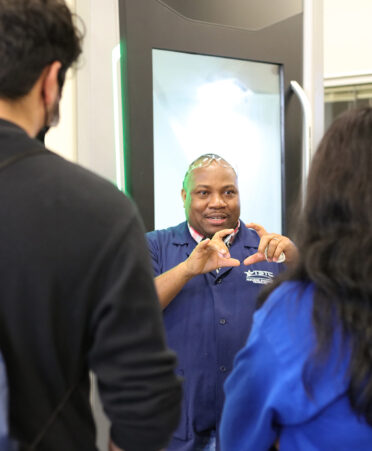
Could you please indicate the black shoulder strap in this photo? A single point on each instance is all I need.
(14, 159)
(36, 441)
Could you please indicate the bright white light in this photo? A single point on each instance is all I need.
(222, 93)
(218, 122)
(116, 85)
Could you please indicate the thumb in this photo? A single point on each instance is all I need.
(255, 258)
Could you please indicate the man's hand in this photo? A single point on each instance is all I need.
(275, 244)
(113, 447)
(209, 255)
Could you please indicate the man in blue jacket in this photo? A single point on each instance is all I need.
(207, 297)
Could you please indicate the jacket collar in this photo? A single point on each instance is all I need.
(181, 235)
(11, 125)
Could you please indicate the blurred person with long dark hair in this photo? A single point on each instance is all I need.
(305, 374)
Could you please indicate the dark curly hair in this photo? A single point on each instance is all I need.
(335, 245)
(33, 34)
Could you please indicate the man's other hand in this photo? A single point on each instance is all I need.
(113, 447)
(275, 245)
(210, 254)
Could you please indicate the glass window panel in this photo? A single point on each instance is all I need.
(206, 104)
(339, 99)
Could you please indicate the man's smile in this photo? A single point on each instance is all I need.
(216, 218)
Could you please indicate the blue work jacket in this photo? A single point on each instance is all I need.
(209, 320)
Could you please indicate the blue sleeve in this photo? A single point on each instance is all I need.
(153, 246)
(265, 390)
(248, 419)
(4, 432)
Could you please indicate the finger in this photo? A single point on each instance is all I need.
(202, 246)
(270, 249)
(204, 243)
(261, 231)
(255, 258)
(285, 244)
(269, 242)
(220, 235)
(290, 250)
(220, 248)
(279, 251)
(224, 262)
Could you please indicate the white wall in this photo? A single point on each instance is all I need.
(96, 137)
(347, 38)
(313, 67)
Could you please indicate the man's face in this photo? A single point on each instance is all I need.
(211, 199)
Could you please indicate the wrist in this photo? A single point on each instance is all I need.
(185, 270)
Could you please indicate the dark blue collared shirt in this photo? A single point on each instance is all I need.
(209, 320)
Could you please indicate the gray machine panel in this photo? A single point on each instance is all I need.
(252, 15)
(149, 24)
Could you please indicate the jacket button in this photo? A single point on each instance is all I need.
(218, 281)
(222, 369)
(223, 321)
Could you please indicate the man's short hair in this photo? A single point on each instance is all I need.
(203, 161)
(34, 34)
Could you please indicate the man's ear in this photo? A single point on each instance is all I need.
(183, 194)
(51, 89)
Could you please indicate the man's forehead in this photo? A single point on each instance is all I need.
(206, 161)
(212, 175)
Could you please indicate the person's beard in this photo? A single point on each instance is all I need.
(51, 120)
(52, 116)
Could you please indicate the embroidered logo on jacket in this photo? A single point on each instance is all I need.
(261, 277)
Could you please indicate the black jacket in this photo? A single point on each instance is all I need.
(77, 293)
